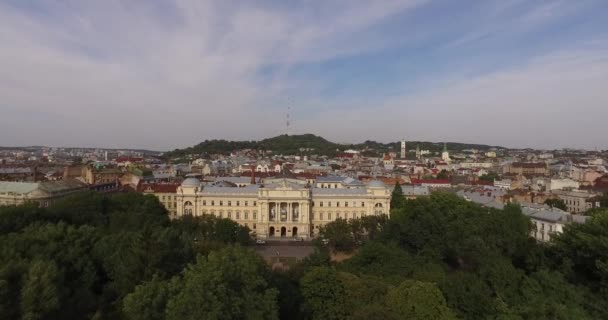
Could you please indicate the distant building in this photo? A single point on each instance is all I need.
(578, 201)
(548, 221)
(42, 193)
(527, 168)
(388, 162)
(415, 191)
(93, 175)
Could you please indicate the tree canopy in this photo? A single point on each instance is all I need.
(93, 256)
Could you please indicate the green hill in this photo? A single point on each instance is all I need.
(310, 144)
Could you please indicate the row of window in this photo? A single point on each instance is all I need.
(345, 203)
(237, 215)
(229, 203)
(343, 215)
(328, 186)
(169, 205)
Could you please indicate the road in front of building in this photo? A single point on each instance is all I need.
(297, 250)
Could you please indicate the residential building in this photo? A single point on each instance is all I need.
(578, 201)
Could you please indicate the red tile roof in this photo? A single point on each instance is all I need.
(158, 187)
(430, 181)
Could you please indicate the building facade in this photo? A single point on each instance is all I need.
(282, 207)
(578, 201)
(166, 194)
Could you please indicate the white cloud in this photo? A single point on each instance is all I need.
(557, 100)
(126, 73)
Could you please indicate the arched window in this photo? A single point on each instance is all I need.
(187, 208)
(378, 209)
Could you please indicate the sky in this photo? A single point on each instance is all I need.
(161, 75)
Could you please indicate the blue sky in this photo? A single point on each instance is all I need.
(166, 74)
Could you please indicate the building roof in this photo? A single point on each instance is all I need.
(23, 188)
(249, 190)
(15, 170)
(191, 182)
(376, 184)
(430, 181)
(338, 191)
(158, 187)
(18, 187)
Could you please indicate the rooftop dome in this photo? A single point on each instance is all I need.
(191, 182)
(376, 184)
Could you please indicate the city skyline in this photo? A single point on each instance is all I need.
(161, 75)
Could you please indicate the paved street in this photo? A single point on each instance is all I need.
(298, 250)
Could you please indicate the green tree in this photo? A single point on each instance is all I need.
(148, 301)
(232, 283)
(40, 295)
(443, 175)
(490, 177)
(324, 295)
(582, 251)
(418, 300)
(556, 203)
(339, 233)
(397, 198)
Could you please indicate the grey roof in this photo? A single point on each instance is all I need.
(250, 189)
(338, 191)
(376, 184)
(331, 179)
(49, 186)
(236, 180)
(553, 215)
(17, 187)
(63, 185)
(191, 182)
(15, 170)
(481, 199)
(284, 184)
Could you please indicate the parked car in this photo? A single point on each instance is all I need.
(260, 241)
(296, 239)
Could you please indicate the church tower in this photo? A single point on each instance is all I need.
(445, 155)
(418, 153)
(403, 149)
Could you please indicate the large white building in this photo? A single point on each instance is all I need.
(283, 207)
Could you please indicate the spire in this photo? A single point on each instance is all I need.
(445, 147)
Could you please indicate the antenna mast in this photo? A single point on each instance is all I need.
(287, 123)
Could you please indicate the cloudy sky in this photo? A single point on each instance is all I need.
(164, 74)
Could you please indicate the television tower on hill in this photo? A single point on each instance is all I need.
(287, 121)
